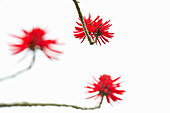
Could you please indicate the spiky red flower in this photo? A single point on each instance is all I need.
(106, 87)
(96, 28)
(33, 40)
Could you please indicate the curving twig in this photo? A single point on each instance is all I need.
(21, 71)
(49, 104)
(83, 23)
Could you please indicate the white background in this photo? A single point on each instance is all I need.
(139, 52)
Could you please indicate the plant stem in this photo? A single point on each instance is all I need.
(83, 23)
(49, 104)
(21, 71)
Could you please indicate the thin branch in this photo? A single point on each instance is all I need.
(96, 38)
(21, 71)
(26, 104)
(83, 23)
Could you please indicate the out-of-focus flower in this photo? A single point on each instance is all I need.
(105, 87)
(96, 29)
(34, 40)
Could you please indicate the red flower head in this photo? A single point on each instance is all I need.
(96, 28)
(105, 87)
(33, 40)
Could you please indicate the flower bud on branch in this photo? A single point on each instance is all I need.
(32, 40)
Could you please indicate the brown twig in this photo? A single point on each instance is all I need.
(21, 71)
(83, 23)
(49, 104)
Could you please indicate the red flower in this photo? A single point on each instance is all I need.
(105, 87)
(33, 40)
(96, 28)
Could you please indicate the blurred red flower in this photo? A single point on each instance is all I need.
(96, 28)
(105, 87)
(33, 40)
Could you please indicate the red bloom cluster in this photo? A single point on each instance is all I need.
(106, 87)
(96, 28)
(33, 40)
